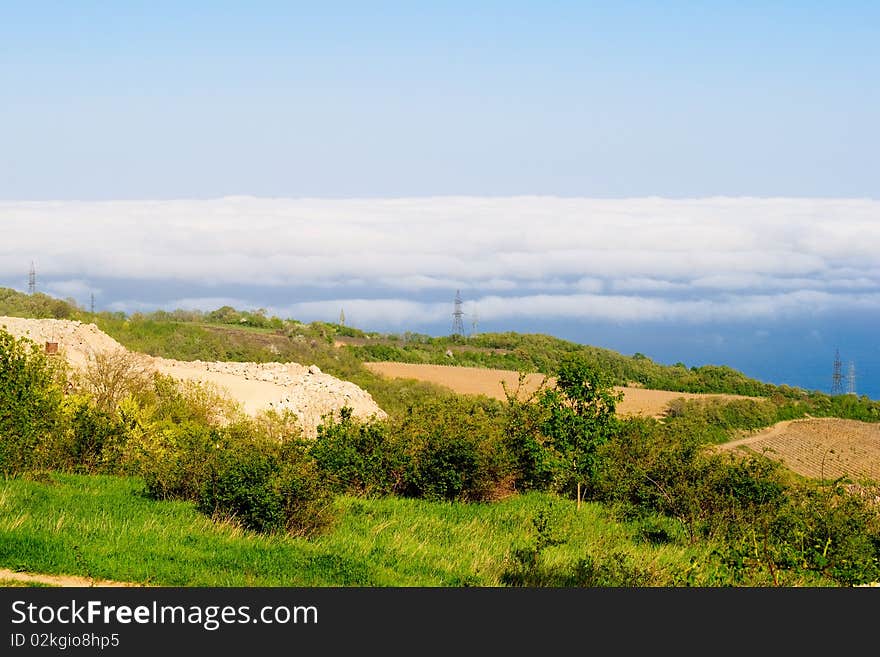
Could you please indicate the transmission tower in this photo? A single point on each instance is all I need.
(32, 279)
(457, 324)
(342, 317)
(92, 302)
(837, 375)
(851, 379)
(475, 319)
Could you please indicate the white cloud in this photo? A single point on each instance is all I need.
(75, 287)
(641, 284)
(626, 259)
(366, 312)
(195, 303)
(599, 307)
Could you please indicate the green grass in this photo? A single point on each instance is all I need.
(102, 527)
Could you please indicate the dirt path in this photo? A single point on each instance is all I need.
(771, 432)
(58, 580)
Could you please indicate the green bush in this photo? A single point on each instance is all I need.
(716, 420)
(267, 489)
(254, 471)
(31, 389)
(358, 458)
(527, 447)
(652, 468)
(820, 528)
(454, 450)
(93, 436)
(175, 459)
(447, 448)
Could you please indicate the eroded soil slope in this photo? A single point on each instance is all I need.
(304, 390)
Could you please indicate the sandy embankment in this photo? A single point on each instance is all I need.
(304, 390)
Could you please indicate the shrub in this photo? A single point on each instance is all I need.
(358, 457)
(192, 401)
(651, 468)
(93, 436)
(715, 420)
(112, 375)
(267, 488)
(820, 528)
(533, 467)
(255, 471)
(175, 459)
(31, 389)
(454, 450)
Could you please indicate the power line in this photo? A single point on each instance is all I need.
(457, 324)
(837, 375)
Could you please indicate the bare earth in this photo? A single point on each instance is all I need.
(57, 580)
(303, 390)
(484, 381)
(823, 448)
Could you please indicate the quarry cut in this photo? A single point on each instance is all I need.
(304, 390)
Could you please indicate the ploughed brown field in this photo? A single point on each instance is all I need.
(484, 381)
(822, 448)
(814, 447)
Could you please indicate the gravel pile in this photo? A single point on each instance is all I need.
(304, 390)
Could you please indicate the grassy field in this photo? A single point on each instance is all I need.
(102, 527)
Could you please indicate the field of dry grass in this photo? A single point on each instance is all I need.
(822, 448)
(484, 381)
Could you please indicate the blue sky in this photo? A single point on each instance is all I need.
(206, 99)
(693, 181)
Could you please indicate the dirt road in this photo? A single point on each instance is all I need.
(56, 580)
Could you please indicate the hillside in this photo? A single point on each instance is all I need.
(496, 383)
(301, 389)
(825, 448)
(163, 445)
(227, 334)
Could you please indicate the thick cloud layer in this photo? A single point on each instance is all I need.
(390, 260)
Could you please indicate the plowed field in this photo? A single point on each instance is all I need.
(824, 448)
(484, 381)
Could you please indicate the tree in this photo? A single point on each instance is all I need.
(580, 417)
(112, 374)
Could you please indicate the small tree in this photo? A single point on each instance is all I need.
(111, 375)
(523, 437)
(580, 418)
